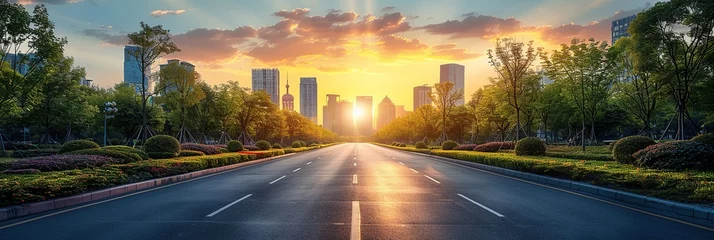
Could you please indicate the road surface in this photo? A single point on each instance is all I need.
(353, 191)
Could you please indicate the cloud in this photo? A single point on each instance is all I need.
(106, 37)
(288, 50)
(159, 13)
(393, 45)
(333, 69)
(56, 2)
(388, 9)
(211, 45)
(449, 51)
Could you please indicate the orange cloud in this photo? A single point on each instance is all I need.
(449, 51)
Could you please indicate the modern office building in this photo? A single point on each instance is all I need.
(187, 65)
(421, 96)
(268, 80)
(86, 82)
(308, 98)
(20, 62)
(330, 113)
(364, 122)
(346, 124)
(619, 28)
(400, 111)
(288, 98)
(453, 73)
(386, 112)
(132, 71)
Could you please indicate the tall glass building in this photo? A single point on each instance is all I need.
(619, 27)
(132, 71)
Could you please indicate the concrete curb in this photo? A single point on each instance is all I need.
(54, 204)
(681, 209)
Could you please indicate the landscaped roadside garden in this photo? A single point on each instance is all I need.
(81, 166)
(676, 170)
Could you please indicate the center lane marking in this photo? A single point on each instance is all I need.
(277, 179)
(415, 171)
(355, 164)
(432, 179)
(297, 169)
(481, 205)
(355, 233)
(401, 163)
(229, 205)
(308, 163)
(354, 179)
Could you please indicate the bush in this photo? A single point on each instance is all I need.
(421, 145)
(116, 142)
(449, 145)
(705, 138)
(530, 146)
(9, 146)
(302, 144)
(402, 144)
(162, 144)
(251, 148)
(624, 148)
(224, 150)
(314, 145)
(296, 144)
(33, 153)
(21, 171)
(234, 146)
(72, 146)
(277, 146)
(494, 146)
(677, 155)
(61, 162)
(117, 156)
(468, 147)
(190, 153)
(263, 145)
(205, 149)
(127, 149)
(162, 155)
(395, 143)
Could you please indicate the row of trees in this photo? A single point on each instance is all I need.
(640, 85)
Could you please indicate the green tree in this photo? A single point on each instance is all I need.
(425, 119)
(445, 100)
(496, 110)
(228, 102)
(473, 107)
(151, 44)
(554, 111)
(181, 91)
(202, 113)
(254, 106)
(129, 117)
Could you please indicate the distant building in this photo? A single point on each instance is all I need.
(20, 62)
(346, 125)
(187, 65)
(453, 73)
(544, 79)
(386, 112)
(400, 111)
(268, 80)
(619, 27)
(288, 98)
(86, 82)
(132, 71)
(330, 113)
(308, 98)
(364, 124)
(421, 96)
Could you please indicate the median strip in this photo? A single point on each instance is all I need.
(277, 179)
(229, 205)
(481, 205)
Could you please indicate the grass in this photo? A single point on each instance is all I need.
(684, 186)
(598, 153)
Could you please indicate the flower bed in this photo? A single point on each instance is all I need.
(205, 149)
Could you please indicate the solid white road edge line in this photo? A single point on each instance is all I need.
(355, 233)
(354, 179)
(297, 169)
(414, 170)
(277, 179)
(229, 205)
(432, 179)
(481, 205)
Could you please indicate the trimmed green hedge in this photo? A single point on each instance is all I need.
(707, 138)
(128, 149)
(530, 146)
(625, 147)
(190, 153)
(263, 145)
(72, 146)
(33, 153)
(448, 145)
(234, 146)
(118, 156)
(162, 155)
(163, 144)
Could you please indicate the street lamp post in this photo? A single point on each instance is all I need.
(110, 108)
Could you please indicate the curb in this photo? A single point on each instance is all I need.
(54, 204)
(680, 209)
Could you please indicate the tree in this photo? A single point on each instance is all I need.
(587, 75)
(202, 113)
(496, 111)
(253, 106)
(553, 110)
(676, 38)
(426, 118)
(182, 90)
(228, 102)
(512, 61)
(473, 107)
(129, 117)
(151, 43)
(445, 100)
(27, 41)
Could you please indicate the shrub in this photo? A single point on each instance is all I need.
(421, 145)
(224, 150)
(449, 145)
(61, 162)
(127, 149)
(21, 171)
(72, 146)
(18, 146)
(468, 147)
(190, 153)
(116, 142)
(251, 148)
(162, 155)
(530, 146)
(117, 156)
(296, 144)
(677, 155)
(263, 145)
(162, 144)
(205, 149)
(394, 144)
(314, 145)
(494, 146)
(402, 144)
(33, 153)
(302, 144)
(234, 146)
(705, 138)
(624, 148)
(277, 146)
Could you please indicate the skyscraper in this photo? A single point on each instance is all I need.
(619, 28)
(421, 96)
(268, 80)
(346, 125)
(400, 111)
(386, 113)
(308, 98)
(365, 121)
(330, 113)
(132, 71)
(453, 73)
(288, 98)
(187, 65)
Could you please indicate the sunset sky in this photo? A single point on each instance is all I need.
(372, 48)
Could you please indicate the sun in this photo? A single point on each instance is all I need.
(357, 113)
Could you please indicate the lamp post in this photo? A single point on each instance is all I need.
(110, 108)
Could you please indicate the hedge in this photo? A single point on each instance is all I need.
(530, 146)
(263, 145)
(205, 149)
(448, 145)
(707, 138)
(72, 146)
(624, 148)
(162, 155)
(128, 149)
(234, 146)
(118, 156)
(33, 153)
(61, 162)
(162, 144)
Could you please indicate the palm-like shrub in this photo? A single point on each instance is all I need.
(530, 146)
(449, 145)
(234, 146)
(72, 146)
(421, 145)
(705, 138)
(127, 149)
(162, 146)
(676, 155)
(624, 148)
(263, 145)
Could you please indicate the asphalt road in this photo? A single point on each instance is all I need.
(353, 191)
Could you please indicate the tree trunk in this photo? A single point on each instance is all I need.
(582, 134)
